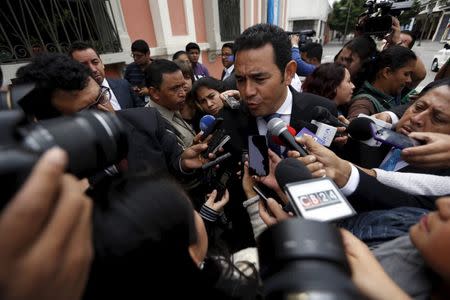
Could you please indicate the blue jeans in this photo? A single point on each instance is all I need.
(378, 226)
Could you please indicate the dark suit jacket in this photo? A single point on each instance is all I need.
(149, 143)
(124, 93)
(239, 124)
(373, 195)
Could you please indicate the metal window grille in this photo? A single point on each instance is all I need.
(29, 27)
(230, 19)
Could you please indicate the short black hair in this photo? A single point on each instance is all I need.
(229, 45)
(191, 46)
(208, 82)
(154, 72)
(186, 69)
(313, 50)
(178, 54)
(412, 35)
(80, 46)
(140, 46)
(50, 72)
(259, 35)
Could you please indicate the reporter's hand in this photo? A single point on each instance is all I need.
(434, 154)
(295, 39)
(383, 116)
(274, 212)
(192, 159)
(230, 93)
(219, 205)
(367, 273)
(336, 168)
(45, 235)
(248, 182)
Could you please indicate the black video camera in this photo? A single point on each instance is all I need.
(377, 19)
(305, 35)
(93, 140)
(304, 259)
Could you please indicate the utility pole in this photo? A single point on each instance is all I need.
(349, 3)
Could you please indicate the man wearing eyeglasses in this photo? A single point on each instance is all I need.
(134, 74)
(228, 78)
(120, 92)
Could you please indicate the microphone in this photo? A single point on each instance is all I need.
(360, 129)
(278, 128)
(316, 199)
(277, 140)
(363, 129)
(323, 115)
(208, 124)
(205, 122)
(291, 170)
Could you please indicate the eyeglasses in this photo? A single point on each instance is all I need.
(103, 97)
(136, 55)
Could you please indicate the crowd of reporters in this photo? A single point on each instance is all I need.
(157, 210)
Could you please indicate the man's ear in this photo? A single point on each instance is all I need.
(154, 93)
(289, 72)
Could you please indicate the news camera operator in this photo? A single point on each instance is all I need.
(303, 68)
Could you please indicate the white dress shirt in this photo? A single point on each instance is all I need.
(115, 104)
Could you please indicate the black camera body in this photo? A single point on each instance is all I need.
(92, 139)
(303, 257)
(377, 19)
(305, 35)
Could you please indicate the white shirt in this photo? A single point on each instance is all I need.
(296, 83)
(228, 72)
(285, 111)
(115, 104)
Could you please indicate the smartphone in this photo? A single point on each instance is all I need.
(261, 194)
(258, 158)
(318, 199)
(232, 102)
(218, 139)
(396, 140)
(221, 185)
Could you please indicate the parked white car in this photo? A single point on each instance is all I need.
(440, 58)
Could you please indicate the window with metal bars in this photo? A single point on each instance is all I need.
(29, 27)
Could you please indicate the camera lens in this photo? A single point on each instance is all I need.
(303, 259)
(93, 140)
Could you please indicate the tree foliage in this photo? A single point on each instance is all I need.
(343, 8)
(407, 15)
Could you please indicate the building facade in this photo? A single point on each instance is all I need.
(29, 27)
(433, 22)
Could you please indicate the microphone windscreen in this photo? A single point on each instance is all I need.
(320, 113)
(291, 170)
(360, 129)
(206, 121)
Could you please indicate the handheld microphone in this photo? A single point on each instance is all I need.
(359, 129)
(323, 115)
(364, 129)
(277, 140)
(316, 199)
(208, 124)
(278, 128)
(205, 122)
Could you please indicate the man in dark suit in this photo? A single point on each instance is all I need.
(228, 78)
(263, 69)
(122, 95)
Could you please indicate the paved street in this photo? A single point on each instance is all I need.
(425, 51)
